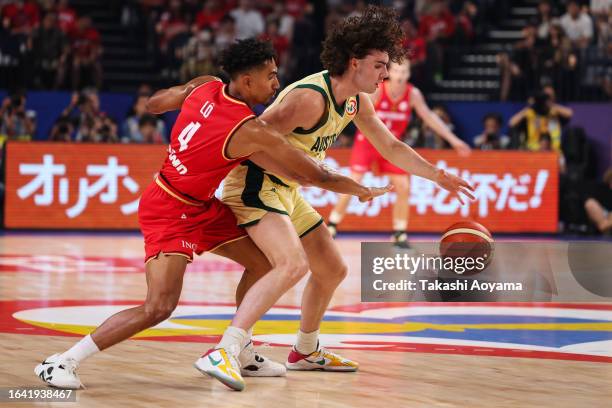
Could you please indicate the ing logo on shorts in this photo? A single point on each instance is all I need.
(551, 331)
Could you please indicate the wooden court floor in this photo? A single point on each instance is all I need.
(56, 287)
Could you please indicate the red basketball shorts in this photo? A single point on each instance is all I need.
(365, 157)
(172, 226)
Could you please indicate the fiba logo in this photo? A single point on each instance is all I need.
(351, 106)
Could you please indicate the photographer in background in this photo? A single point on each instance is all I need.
(598, 205)
(492, 138)
(17, 123)
(540, 117)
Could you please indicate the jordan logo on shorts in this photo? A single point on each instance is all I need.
(183, 217)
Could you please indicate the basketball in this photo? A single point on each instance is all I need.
(469, 246)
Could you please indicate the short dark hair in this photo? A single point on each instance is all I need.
(377, 29)
(147, 119)
(244, 55)
(493, 115)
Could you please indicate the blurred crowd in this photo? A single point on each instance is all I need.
(566, 45)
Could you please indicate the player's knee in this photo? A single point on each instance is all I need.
(339, 272)
(401, 187)
(293, 268)
(159, 310)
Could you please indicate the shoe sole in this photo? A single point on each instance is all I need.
(258, 374)
(319, 368)
(236, 386)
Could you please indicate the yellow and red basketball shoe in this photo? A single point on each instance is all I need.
(321, 359)
(222, 365)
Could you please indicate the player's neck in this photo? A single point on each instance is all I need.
(342, 88)
(236, 94)
(396, 89)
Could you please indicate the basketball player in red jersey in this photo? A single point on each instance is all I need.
(179, 215)
(393, 102)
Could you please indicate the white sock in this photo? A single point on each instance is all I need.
(307, 342)
(400, 225)
(83, 349)
(335, 217)
(249, 337)
(234, 339)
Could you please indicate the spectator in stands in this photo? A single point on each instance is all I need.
(130, 132)
(18, 123)
(86, 51)
(173, 33)
(546, 146)
(226, 34)
(416, 48)
(437, 26)
(284, 19)
(544, 19)
(249, 20)
(467, 23)
(210, 15)
(62, 131)
(147, 126)
(66, 16)
(560, 63)
(82, 111)
(24, 16)
(280, 44)
(598, 205)
(49, 48)
(541, 116)
(605, 71)
(492, 137)
(603, 25)
(521, 72)
(13, 58)
(577, 25)
(198, 56)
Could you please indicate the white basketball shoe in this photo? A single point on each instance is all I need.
(59, 372)
(222, 365)
(254, 364)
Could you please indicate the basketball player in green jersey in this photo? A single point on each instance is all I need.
(312, 112)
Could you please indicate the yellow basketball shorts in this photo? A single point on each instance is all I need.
(251, 193)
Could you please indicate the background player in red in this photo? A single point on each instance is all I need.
(179, 215)
(393, 102)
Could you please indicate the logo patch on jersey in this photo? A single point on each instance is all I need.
(403, 106)
(351, 106)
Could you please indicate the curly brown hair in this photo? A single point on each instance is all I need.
(377, 28)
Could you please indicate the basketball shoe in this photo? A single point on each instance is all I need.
(221, 364)
(400, 240)
(333, 229)
(253, 364)
(321, 359)
(59, 372)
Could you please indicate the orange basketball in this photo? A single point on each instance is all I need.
(467, 240)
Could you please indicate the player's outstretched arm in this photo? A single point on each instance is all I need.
(257, 136)
(402, 155)
(434, 122)
(170, 99)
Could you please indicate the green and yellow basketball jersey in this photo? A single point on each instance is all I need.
(318, 139)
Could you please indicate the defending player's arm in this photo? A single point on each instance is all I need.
(257, 136)
(170, 99)
(302, 107)
(433, 121)
(402, 155)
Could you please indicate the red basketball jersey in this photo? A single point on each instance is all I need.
(396, 115)
(196, 162)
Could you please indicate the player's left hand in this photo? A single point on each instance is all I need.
(455, 185)
(375, 192)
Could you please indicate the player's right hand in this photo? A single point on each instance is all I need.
(373, 192)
